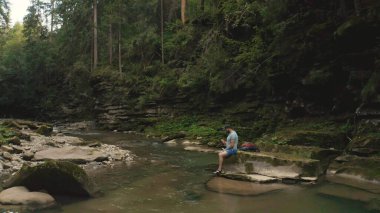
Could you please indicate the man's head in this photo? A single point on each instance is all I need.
(228, 128)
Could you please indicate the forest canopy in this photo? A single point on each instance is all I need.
(324, 55)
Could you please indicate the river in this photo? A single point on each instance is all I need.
(168, 179)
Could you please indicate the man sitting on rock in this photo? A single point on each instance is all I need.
(231, 147)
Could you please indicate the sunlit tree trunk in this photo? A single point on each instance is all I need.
(183, 11)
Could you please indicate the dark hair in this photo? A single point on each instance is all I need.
(226, 126)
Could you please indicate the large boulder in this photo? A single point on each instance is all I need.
(73, 154)
(55, 177)
(359, 172)
(22, 196)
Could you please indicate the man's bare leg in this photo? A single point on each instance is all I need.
(222, 155)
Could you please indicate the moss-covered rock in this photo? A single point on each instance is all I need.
(360, 172)
(45, 130)
(56, 177)
(365, 145)
(315, 138)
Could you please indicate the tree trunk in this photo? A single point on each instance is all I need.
(162, 32)
(202, 5)
(183, 11)
(52, 15)
(342, 8)
(119, 44)
(172, 10)
(95, 34)
(357, 7)
(110, 44)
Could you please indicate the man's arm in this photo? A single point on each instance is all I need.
(232, 144)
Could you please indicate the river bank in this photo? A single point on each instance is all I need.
(32, 143)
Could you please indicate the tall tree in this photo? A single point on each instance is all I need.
(4, 14)
(202, 5)
(183, 11)
(162, 33)
(95, 57)
(52, 19)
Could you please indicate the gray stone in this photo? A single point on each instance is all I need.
(94, 144)
(7, 155)
(7, 165)
(21, 196)
(55, 177)
(70, 153)
(17, 149)
(27, 155)
(6, 148)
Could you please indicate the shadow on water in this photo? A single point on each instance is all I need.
(169, 179)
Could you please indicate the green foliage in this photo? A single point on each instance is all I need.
(5, 133)
(235, 50)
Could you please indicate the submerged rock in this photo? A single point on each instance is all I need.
(359, 172)
(227, 186)
(349, 193)
(21, 196)
(56, 177)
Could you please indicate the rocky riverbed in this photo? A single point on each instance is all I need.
(32, 143)
(36, 156)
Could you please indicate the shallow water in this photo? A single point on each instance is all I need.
(169, 179)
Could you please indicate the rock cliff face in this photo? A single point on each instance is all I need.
(113, 112)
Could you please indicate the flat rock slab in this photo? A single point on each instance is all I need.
(70, 153)
(68, 139)
(354, 181)
(21, 196)
(227, 186)
(250, 177)
(201, 149)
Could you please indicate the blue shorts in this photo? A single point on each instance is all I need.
(231, 152)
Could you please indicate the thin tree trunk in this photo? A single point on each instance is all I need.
(342, 8)
(183, 11)
(357, 7)
(119, 44)
(52, 15)
(95, 34)
(110, 45)
(162, 32)
(202, 5)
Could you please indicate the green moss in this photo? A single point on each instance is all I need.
(45, 130)
(347, 26)
(192, 126)
(6, 133)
